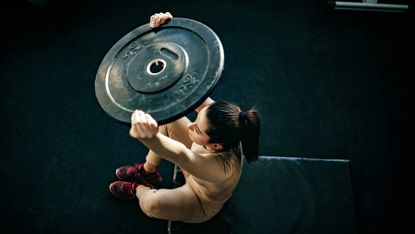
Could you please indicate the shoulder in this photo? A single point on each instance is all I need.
(228, 160)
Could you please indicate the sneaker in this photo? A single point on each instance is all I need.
(136, 173)
(123, 189)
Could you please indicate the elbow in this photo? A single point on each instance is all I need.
(182, 160)
(183, 155)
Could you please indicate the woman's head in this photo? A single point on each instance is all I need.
(227, 125)
(198, 128)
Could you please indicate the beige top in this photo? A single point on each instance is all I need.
(214, 195)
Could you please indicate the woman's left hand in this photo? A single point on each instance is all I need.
(159, 19)
(143, 126)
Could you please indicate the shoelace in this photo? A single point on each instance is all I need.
(131, 188)
(139, 171)
(145, 178)
(135, 171)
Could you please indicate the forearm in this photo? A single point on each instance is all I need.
(167, 148)
(177, 153)
(207, 101)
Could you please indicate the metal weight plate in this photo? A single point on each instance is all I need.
(166, 72)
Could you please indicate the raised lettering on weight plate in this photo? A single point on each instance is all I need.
(188, 82)
(132, 49)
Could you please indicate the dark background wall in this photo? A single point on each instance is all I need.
(329, 84)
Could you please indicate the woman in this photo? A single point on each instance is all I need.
(208, 151)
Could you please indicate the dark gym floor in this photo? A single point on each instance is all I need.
(329, 84)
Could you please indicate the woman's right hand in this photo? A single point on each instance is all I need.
(143, 126)
(158, 19)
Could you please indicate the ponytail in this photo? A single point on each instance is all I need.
(229, 126)
(250, 132)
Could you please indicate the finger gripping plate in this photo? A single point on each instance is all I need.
(166, 72)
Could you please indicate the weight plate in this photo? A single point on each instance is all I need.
(166, 72)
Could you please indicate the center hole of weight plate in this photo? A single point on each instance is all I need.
(156, 66)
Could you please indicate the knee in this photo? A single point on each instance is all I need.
(150, 205)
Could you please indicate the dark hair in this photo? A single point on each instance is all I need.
(228, 125)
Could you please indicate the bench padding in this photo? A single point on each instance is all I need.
(286, 195)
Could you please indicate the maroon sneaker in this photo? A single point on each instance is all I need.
(123, 189)
(136, 173)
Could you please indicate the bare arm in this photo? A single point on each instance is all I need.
(208, 101)
(205, 168)
(145, 129)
